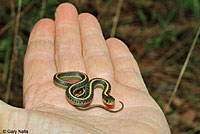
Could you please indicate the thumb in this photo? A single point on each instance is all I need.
(11, 118)
(5, 109)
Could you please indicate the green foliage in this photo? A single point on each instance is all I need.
(5, 51)
(142, 17)
(108, 3)
(190, 6)
(24, 2)
(160, 101)
(3, 43)
(164, 21)
(21, 48)
(197, 129)
(161, 41)
(196, 5)
(51, 3)
(153, 17)
(192, 98)
(184, 4)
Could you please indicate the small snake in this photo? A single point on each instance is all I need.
(81, 93)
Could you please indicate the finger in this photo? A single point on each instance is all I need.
(68, 44)
(95, 51)
(39, 66)
(126, 70)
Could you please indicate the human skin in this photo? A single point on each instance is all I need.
(75, 43)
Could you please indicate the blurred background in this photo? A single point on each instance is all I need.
(159, 33)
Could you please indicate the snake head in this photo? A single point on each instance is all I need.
(109, 100)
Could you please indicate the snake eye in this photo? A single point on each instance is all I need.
(106, 101)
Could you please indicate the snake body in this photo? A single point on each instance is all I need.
(81, 93)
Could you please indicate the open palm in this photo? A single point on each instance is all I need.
(75, 43)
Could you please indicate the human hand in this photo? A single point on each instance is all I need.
(75, 43)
